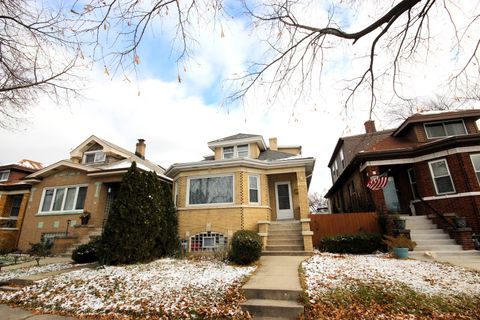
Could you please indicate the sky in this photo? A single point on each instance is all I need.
(178, 119)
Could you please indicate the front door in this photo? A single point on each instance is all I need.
(391, 196)
(283, 196)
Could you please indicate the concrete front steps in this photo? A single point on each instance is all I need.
(96, 232)
(285, 239)
(434, 243)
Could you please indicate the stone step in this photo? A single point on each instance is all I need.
(274, 242)
(272, 294)
(429, 236)
(284, 248)
(273, 308)
(443, 254)
(286, 253)
(446, 247)
(423, 242)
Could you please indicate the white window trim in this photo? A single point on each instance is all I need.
(410, 173)
(95, 160)
(7, 176)
(208, 237)
(235, 151)
(473, 165)
(443, 124)
(290, 199)
(210, 204)
(78, 186)
(258, 189)
(433, 177)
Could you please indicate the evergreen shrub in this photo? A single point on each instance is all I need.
(246, 247)
(86, 253)
(362, 243)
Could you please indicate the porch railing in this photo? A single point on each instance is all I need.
(438, 214)
(8, 222)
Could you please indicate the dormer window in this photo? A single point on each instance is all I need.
(445, 129)
(91, 157)
(240, 151)
(4, 175)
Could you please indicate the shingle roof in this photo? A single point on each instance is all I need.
(269, 155)
(237, 136)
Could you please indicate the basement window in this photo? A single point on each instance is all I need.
(208, 242)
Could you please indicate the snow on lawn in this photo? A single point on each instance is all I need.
(327, 271)
(6, 275)
(166, 287)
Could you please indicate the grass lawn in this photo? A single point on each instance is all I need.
(166, 288)
(379, 287)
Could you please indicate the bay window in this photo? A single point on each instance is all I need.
(61, 199)
(209, 190)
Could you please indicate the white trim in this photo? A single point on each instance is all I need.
(95, 153)
(433, 176)
(187, 204)
(77, 186)
(475, 169)
(284, 211)
(224, 206)
(59, 164)
(257, 177)
(255, 139)
(411, 173)
(448, 196)
(427, 157)
(443, 125)
(14, 192)
(235, 151)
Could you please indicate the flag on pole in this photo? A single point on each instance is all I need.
(377, 182)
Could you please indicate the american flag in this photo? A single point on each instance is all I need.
(377, 182)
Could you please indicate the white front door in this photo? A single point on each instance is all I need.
(283, 196)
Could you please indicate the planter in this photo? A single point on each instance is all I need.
(401, 253)
(399, 224)
(460, 222)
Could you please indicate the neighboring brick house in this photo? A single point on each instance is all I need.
(244, 185)
(432, 161)
(86, 182)
(14, 194)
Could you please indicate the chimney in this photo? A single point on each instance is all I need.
(370, 126)
(273, 144)
(140, 148)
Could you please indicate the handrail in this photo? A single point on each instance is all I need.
(438, 213)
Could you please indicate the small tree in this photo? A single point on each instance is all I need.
(139, 225)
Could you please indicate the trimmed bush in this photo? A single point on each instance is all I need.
(86, 253)
(246, 247)
(355, 243)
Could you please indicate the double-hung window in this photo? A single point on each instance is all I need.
(240, 151)
(93, 157)
(210, 190)
(445, 129)
(254, 189)
(63, 199)
(4, 175)
(441, 176)
(476, 164)
(227, 152)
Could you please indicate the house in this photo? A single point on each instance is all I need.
(86, 182)
(14, 195)
(432, 161)
(244, 185)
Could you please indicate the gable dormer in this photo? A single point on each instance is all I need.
(238, 146)
(95, 151)
(94, 155)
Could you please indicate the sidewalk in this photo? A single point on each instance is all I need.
(43, 261)
(9, 313)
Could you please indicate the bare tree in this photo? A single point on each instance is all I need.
(316, 201)
(38, 55)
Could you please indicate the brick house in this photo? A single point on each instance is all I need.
(432, 161)
(86, 182)
(244, 185)
(14, 195)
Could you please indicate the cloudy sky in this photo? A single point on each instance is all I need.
(177, 119)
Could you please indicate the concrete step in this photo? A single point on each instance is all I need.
(417, 218)
(446, 247)
(422, 242)
(286, 253)
(429, 236)
(443, 254)
(275, 242)
(272, 294)
(422, 227)
(427, 231)
(284, 233)
(273, 308)
(411, 223)
(284, 248)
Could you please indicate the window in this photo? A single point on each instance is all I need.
(15, 204)
(240, 151)
(4, 175)
(93, 157)
(413, 183)
(335, 168)
(208, 241)
(64, 199)
(476, 165)
(210, 190)
(445, 129)
(441, 176)
(253, 189)
(342, 158)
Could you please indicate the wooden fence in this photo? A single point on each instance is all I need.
(324, 225)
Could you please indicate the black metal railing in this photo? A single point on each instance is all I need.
(438, 214)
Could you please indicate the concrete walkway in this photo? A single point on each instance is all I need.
(465, 261)
(43, 261)
(9, 313)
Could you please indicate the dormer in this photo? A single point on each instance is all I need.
(94, 155)
(95, 151)
(238, 146)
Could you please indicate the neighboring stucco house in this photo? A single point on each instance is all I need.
(86, 182)
(14, 194)
(432, 161)
(244, 185)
